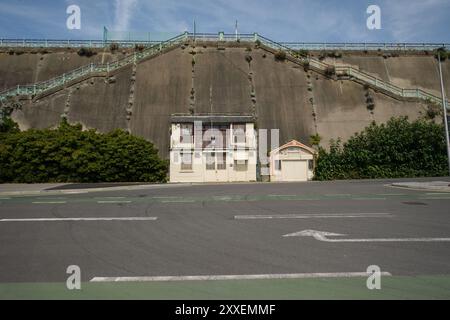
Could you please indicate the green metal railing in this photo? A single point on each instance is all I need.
(92, 69)
(355, 74)
(89, 70)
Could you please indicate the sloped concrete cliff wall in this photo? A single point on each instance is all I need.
(208, 77)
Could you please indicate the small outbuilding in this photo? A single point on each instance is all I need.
(293, 161)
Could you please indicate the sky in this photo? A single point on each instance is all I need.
(282, 20)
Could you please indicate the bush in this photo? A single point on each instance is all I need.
(442, 53)
(139, 47)
(315, 139)
(113, 47)
(7, 125)
(396, 149)
(86, 52)
(280, 55)
(68, 154)
(303, 53)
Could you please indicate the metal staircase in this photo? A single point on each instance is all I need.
(342, 72)
(348, 72)
(90, 70)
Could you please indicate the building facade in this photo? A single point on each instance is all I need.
(293, 161)
(212, 148)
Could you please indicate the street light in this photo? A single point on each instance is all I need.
(444, 105)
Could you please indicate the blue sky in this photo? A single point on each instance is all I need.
(282, 20)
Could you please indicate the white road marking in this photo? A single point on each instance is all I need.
(109, 197)
(73, 192)
(391, 194)
(236, 277)
(114, 201)
(314, 216)
(435, 198)
(338, 195)
(438, 193)
(5, 198)
(376, 198)
(48, 202)
(81, 219)
(282, 195)
(167, 197)
(322, 236)
(177, 201)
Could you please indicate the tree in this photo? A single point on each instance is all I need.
(396, 149)
(69, 154)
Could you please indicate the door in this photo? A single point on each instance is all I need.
(216, 167)
(294, 170)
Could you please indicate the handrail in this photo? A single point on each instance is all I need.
(355, 73)
(345, 46)
(321, 66)
(39, 87)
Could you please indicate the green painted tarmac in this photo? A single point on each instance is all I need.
(392, 287)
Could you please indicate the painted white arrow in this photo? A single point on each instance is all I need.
(322, 236)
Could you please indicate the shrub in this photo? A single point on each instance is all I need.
(280, 55)
(442, 52)
(114, 47)
(303, 53)
(396, 149)
(86, 52)
(68, 154)
(315, 139)
(139, 47)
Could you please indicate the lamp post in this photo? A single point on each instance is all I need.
(444, 106)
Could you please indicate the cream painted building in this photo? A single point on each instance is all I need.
(293, 161)
(212, 148)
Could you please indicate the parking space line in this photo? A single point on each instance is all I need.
(314, 216)
(236, 277)
(81, 219)
(48, 202)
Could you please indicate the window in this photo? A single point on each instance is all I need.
(240, 165)
(278, 165)
(211, 161)
(310, 164)
(238, 133)
(186, 133)
(186, 161)
(214, 136)
(221, 161)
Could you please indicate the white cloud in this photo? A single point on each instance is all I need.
(414, 19)
(123, 13)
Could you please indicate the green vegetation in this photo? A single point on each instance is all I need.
(303, 53)
(396, 149)
(113, 47)
(69, 154)
(315, 139)
(442, 53)
(280, 55)
(138, 47)
(86, 52)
